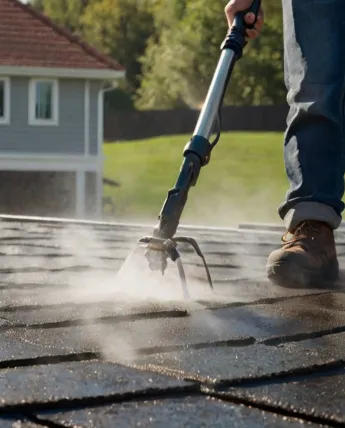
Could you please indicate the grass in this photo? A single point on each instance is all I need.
(245, 180)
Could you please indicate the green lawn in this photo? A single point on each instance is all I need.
(245, 180)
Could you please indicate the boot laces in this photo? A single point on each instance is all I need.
(301, 235)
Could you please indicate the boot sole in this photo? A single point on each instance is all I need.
(283, 275)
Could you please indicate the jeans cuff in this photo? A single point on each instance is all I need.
(311, 211)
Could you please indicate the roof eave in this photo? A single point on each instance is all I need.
(71, 73)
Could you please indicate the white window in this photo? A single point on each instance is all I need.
(43, 102)
(4, 100)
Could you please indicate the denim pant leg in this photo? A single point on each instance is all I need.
(314, 43)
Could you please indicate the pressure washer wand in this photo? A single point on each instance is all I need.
(198, 150)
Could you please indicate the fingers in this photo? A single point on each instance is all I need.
(253, 33)
(235, 6)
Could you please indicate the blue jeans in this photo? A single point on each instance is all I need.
(314, 43)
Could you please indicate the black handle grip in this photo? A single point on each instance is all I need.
(236, 37)
(239, 21)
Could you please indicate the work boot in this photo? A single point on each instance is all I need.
(307, 259)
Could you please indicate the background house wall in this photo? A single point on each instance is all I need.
(66, 138)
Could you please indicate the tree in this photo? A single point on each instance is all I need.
(66, 13)
(120, 28)
(178, 67)
(37, 4)
(167, 12)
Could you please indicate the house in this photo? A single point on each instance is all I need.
(51, 116)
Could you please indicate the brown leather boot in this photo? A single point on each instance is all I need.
(307, 259)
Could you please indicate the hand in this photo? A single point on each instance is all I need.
(235, 6)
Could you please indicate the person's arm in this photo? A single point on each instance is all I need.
(235, 6)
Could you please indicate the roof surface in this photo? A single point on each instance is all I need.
(30, 39)
(79, 349)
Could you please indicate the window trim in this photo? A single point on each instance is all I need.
(32, 103)
(7, 101)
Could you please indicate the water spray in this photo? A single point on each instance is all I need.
(163, 243)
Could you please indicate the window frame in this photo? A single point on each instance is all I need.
(6, 119)
(33, 121)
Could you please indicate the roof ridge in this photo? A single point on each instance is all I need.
(73, 38)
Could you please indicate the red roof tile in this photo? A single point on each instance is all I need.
(30, 39)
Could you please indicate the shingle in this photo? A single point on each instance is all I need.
(76, 351)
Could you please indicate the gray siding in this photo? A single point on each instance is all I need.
(67, 138)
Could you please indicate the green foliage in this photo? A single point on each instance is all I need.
(167, 12)
(121, 29)
(66, 13)
(37, 4)
(177, 69)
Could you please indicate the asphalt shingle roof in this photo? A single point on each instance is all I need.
(30, 39)
(77, 351)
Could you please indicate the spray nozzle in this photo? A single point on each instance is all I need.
(159, 250)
